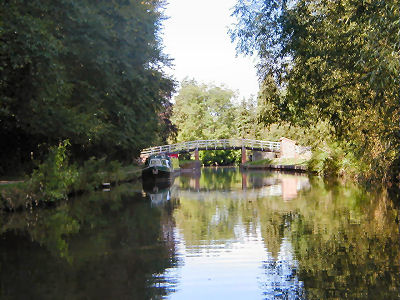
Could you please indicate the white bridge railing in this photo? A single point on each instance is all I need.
(213, 145)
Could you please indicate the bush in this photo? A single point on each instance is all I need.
(90, 176)
(219, 157)
(96, 171)
(316, 163)
(184, 156)
(114, 172)
(334, 162)
(54, 178)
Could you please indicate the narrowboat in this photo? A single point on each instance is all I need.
(157, 166)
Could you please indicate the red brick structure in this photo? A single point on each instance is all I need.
(244, 157)
(288, 148)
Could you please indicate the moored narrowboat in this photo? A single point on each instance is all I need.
(157, 166)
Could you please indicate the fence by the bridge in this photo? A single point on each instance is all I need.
(214, 145)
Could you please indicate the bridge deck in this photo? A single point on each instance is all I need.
(224, 144)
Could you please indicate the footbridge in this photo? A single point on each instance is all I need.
(285, 147)
(225, 144)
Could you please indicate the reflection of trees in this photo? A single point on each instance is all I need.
(281, 280)
(261, 182)
(221, 178)
(328, 242)
(347, 245)
(345, 240)
(211, 219)
(105, 246)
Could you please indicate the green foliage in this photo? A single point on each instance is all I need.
(14, 196)
(54, 178)
(94, 172)
(316, 163)
(184, 156)
(246, 120)
(203, 112)
(175, 162)
(114, 172)
(219, 157)
(85, 71)
(333, 161)
(335, 62)
(207, 112)
(90, 175)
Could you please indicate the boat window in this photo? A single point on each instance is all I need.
(155, 162)
(165, 163)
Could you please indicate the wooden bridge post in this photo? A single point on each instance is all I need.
(196, 154)
(244, 158)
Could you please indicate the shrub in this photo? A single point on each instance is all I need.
(316, 163)
(333, 162)
(54, 178)
(90, 176)
(219, 157)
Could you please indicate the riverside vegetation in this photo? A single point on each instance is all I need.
(82, 90)
(329, 79)
(331, 68)
(86, 72)
(55, 179)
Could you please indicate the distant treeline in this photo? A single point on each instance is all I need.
(84, 71)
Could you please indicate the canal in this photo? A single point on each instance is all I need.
(215, 234)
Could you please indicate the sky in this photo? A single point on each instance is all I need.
(196, 37)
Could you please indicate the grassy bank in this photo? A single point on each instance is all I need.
(55, 180)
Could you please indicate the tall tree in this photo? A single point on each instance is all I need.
(203, 112)
(338, 61)
(246, 120)
(84, 71)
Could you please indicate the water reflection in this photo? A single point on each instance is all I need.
(220, 242)
(314, 240)
(102, 246)
(159, 191)
(245, 184)
(217, 234)
(281, 280)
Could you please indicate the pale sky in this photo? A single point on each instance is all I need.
(196, 37)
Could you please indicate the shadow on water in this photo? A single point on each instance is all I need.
(106, 245)
(219, 233)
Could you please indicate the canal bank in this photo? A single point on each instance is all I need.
(280, 164)
(46, 188)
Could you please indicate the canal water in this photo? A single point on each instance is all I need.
(215, 234)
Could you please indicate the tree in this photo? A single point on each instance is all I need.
(206, 112)
(246, 120)
(84, 71)
(203, 112)
(332, 61)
